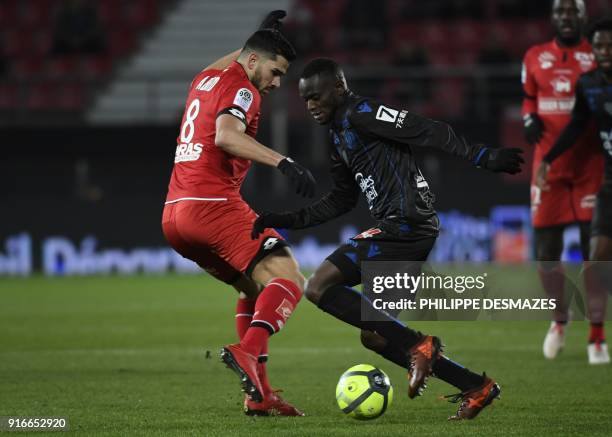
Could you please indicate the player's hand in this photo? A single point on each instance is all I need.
(533, 128)
(541, 176)
(503, 160)
(300, 177)
(273, 20)
(271, 220)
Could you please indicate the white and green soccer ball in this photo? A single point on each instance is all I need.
(364, 392)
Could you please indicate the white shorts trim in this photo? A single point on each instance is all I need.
(211, 199)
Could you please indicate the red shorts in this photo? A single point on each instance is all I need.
(217, 236)
(568, 201)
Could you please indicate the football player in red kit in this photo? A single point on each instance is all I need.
(550, 73)
(205, 218)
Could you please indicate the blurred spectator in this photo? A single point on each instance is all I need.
(78, 29)
(366, 24)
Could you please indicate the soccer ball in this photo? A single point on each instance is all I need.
(364, 392)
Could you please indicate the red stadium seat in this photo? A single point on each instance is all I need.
(63, 66)
(38, 13)
(111, 13)
(8, 96)
(142, 13)
(97, 66)
(121, 42)
(42, 96)
(8, 13)
(71, 96)
(28, 66)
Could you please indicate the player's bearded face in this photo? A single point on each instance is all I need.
(602, 48)
(268, 72)
(567, 18)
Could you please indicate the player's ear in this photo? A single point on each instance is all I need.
(252, 60)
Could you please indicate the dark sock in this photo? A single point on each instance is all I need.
(346, 304)
(395, 354)
(455, 374)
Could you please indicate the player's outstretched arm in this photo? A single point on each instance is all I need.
(340, 200)
(404, 127)
(272, 21)
(580, 119)
(231, 138)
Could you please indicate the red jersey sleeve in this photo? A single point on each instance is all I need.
(241, 100)
(530, 87)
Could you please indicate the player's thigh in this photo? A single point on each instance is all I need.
(584, 196)
(175, 225)
(552, 207)
(325, 276)
(278, 264)
(601, 226)
(549, 242)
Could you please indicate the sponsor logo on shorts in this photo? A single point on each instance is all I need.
(368, 234)
(588, 201)
(244, 98)
(284, 310)
(270, 243)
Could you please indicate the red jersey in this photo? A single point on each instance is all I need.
(202, 171)
(549, 77)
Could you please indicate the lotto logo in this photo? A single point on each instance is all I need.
(270, 243)
(237, 113)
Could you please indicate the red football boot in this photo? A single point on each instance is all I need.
(473, 401)
(245, 366)
(272, 405)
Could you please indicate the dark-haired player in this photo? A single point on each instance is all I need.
(593, 102)
(550, 73)
(205, 218)
(371, 152)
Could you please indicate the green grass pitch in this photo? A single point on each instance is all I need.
(127, 356)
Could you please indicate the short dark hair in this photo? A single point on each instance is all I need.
(322, 66)
(270, 42)
(604, 24)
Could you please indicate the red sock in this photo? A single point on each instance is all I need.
(597, 333)
(274, 306)
(261, 369)
(244, 314)
(553, 282)
(596, 294)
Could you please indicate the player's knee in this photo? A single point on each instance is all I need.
(313, 290)
(372, 341)
(549, 246)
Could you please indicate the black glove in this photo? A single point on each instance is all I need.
(271, 220)
(299, 176)
(502, 160)
(533, 128)
(273, 20)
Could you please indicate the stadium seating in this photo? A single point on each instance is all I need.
(51, 81)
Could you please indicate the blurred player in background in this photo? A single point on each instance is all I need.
(550, 73)
(593, 103)
(371, 153)
(205, 218)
